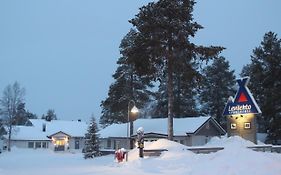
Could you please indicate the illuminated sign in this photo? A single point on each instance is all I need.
(244, 102)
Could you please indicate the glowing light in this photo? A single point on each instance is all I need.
(134, 110)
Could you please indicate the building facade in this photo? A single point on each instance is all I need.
(56, 135)
(192, 131)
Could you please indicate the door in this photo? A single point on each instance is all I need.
(77, 143)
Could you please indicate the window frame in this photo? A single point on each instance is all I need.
(233, 126)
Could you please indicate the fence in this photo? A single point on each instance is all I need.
(203, 150)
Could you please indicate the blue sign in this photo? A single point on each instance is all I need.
(244, 102)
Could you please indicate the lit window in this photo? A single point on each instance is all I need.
(60, 142)
(247, 125)
(233, 126)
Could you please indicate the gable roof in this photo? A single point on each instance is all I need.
(35, 132)
(216, 124)
(182, 126)
(58, 134)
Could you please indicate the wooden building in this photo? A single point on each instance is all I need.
(191, 131)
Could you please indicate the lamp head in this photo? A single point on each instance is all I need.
(134, 110)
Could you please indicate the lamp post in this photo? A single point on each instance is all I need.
(133, 110)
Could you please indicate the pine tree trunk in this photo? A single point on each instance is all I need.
(131, 133)
(170, 98)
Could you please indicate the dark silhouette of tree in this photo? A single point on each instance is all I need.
(13, 96)
(127, 86)
(51, 115)
(162, 40)
(265, 84)
(217, 85)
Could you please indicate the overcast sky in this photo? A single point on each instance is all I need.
(64, 52)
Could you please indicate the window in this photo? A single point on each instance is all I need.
(181, 141)
(206, 139)
(37, 144)
(30, 144)
(45, 145)
(247, 125)
(108, 144)
(233, 126)
(60, 142)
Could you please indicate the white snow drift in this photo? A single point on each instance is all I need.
(235, 159)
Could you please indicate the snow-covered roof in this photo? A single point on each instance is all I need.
(35, 132)
(158, 125)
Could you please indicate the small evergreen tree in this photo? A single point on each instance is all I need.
(51, 115)
(92, 141)
(21, 117)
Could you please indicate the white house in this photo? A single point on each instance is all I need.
(192, 131)
(57, 135)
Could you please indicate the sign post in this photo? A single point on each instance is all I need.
(240, 112)
(140, 133)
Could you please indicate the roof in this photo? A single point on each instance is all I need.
(35, 132)
(158, 125)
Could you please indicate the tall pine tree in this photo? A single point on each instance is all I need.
(217, 85)
(265, 84)
(185, 90)
(164, 29)
(92, 148)
(127, 86)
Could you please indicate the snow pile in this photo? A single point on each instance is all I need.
(165, 144)
(229, 142)
(173, 148)
(235, 159)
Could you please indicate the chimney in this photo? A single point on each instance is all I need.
(44, 127)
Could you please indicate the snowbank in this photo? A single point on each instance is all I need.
(235, 159)
(229, 142)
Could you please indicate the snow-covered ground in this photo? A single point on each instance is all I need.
(235, 159)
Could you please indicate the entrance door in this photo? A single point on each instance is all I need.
(59, 148)
(60, 145)
(76, 144)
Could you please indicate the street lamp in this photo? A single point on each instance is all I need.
(133, 110)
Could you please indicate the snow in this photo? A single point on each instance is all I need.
(229, 142)
(35, 132)
(235, 159)
(158, 125)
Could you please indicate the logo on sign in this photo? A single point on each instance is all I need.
(244, 102)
